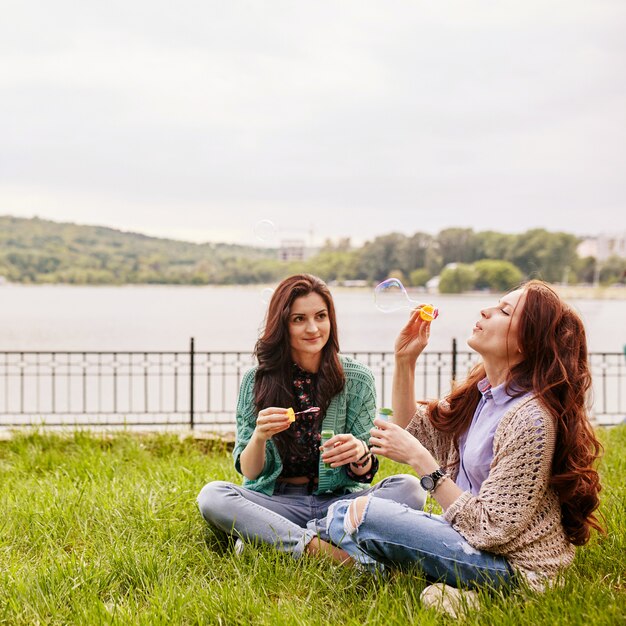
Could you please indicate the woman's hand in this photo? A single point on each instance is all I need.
(342, 449)
(413, 338)
(270, 422)
(397, 444)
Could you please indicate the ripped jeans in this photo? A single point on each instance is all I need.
(290, 517)
(392, 534)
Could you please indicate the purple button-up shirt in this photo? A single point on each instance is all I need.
(476, 444)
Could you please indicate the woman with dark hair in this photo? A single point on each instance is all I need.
(288, 485)
(509, 455)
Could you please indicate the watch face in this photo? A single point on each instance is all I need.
(427, 482)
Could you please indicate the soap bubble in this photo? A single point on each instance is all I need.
(265, 230)
(266, 295)
(390, 295)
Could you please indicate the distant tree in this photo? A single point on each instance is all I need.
(457, 245)
(399, 274)
(613, 271)
(342, 244)
(493, 245)
(457, 279)
(541, 254)
(434, 262)
(496, 275)
(377, 258)
(585, 269)
(333, 264)
(419, 277)
(414, 251)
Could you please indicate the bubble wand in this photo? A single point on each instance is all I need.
(390, 295)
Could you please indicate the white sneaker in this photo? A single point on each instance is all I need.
(240, 546)
(450, 600)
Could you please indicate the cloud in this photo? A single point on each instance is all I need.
(358, 118)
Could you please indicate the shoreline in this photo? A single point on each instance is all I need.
(590, 292)
(579, 292)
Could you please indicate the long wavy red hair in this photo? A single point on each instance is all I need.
(555, 368)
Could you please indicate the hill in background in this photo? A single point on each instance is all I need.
(41, 251)
(457, 259)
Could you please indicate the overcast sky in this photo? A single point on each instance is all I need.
(198, 119)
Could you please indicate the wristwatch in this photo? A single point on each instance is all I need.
(429, 481)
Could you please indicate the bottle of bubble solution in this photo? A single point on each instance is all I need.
(384, 413)
(326, 435)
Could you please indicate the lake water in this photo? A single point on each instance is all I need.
(229, 318)
(222, 319)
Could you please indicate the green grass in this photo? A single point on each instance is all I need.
(105, 530)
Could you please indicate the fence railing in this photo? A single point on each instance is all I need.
(198, 389)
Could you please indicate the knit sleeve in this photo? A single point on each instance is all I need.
(519, 475)
(439, 444)
(360, 411)
(361, 400)
(246, 423)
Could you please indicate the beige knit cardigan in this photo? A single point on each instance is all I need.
(516, 513)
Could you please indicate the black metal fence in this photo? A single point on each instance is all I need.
(197, 389)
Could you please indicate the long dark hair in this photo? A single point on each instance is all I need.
(274, 375)
(555, 368)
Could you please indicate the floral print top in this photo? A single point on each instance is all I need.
(303, 456)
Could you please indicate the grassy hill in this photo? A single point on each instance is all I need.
(41, 251)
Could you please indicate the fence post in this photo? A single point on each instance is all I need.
(454, 355)
(191, 382)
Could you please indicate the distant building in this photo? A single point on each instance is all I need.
(292, 250)
(432, 285)
(603, 246)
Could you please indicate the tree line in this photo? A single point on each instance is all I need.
(40, 251)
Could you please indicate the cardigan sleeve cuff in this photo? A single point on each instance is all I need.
(454, 509)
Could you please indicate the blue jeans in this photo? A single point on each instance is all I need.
(393, 534)
(290, 517)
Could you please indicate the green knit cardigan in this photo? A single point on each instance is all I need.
(352, 410)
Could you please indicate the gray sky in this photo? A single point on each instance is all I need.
(197, 119)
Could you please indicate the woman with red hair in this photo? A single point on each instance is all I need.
(509, 455)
